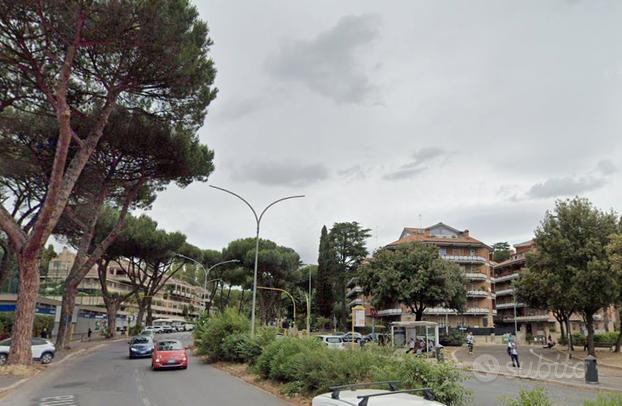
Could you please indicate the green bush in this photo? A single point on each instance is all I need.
(605, 400)
(210, 332)
(455, 338)
(240, 348)
(8, 318)
(602, 339)
(536, 397)
(307, 366)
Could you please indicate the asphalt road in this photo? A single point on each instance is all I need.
(107, 377)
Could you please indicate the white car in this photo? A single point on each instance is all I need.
(155, 329)
(347, 396)
(188, 327)
(332, 341)
(42, 350)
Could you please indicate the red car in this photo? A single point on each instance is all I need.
(169, 354)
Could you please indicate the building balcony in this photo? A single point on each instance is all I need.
(493, 295)
(354, 290)
(475, 276)
(477, 293)
(356, 302)
(476, 311)
(509, 305)
(505, 278)
(505, 292)
(465, 259)
(389, 312)
(439, 310)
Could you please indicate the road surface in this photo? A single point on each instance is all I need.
(107, 377)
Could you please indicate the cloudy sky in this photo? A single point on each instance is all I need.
(478, 114)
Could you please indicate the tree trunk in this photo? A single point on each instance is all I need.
(589, 323)
(112, 307)
(342, 299)
(419, 314)
(21, 336)
(241, 302)
(562, 328)
(569, 332)
(149, 320)
(63, 338)
(141, 314)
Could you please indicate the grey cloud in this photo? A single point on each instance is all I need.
(421, 162)
(281, 173)
(356, 172)
(606, 167)
(567, 186)
(238, 109)
(329, 63)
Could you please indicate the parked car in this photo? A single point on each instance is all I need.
(169, 354)
(141, 346)
(188, 327)
(349, 337)
(166, 329)
(42, 350)
(349, 395)
(332, 341)
(155, 329)
(149, 333)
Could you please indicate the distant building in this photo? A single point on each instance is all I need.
(529, 321)
(170, 301)
(473, 258)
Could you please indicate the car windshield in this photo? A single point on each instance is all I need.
(141, 340)
(169, 346)
(6, 342)
(333, 340)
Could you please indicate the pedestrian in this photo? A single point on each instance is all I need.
(509, 347)
(411, 345)
(470, 342)
(44, 333)
(88, 334)
(514, 355)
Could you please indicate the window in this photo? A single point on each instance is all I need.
(442, 251)
(38, 341)
(485, 322)
(169, 346)
(472, 252)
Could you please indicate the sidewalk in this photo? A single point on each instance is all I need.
(605, 358)
(11, 377)
(537, 364)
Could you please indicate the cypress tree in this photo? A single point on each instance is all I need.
(325, 294)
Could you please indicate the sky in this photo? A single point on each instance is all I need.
(479, 114)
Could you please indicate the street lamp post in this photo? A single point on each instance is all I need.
(206, 271)
(258, 221)
(309, 306)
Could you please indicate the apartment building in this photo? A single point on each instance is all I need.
(473, 258)
(528, 321)
(173, 300)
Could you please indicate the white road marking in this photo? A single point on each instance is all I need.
(62, 400)
(141, 390)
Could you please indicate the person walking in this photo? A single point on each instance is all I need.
(411, 345)
(88, 334)
(44, 333)
(514, 355)
(509, 347)
(470, 342)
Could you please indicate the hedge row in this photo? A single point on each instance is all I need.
(7, 319)
(603, 339)
(538, 397)
(308, 367)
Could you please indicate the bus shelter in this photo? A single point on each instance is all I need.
(402, 332)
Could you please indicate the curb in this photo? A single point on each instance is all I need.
(581, 358)
(14, 385)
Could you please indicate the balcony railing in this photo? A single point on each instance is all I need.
(439, 310)
(477, 293)
(505, 292)
(356, 289)
(356, 302)
(389, 312)
(476, 311)
(509, 305)
(475, 276)
(505, 278)
(465, 259)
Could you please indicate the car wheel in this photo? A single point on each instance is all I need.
(3, 358)
(46, 358)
